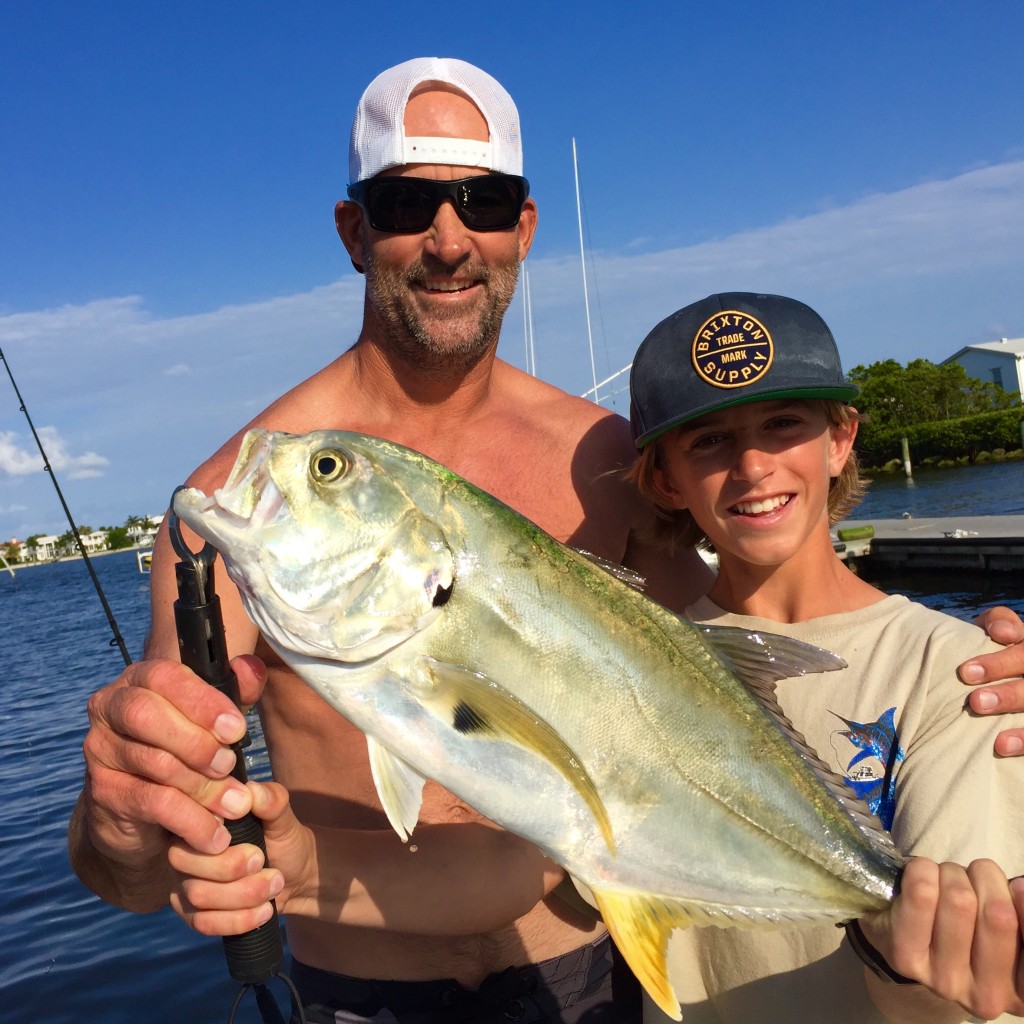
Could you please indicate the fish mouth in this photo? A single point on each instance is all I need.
(249, 494)
(248, 498)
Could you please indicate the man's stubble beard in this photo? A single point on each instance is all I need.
(442, 342)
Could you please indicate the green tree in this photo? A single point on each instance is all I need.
(118, 538)
(895, 396)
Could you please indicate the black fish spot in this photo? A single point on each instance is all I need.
(468, 719)
(442, 594)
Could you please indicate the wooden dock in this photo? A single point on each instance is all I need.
(968, 543)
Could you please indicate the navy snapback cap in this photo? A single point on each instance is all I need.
(727, 349)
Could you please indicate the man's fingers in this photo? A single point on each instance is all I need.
(139, 802)
(234, 864)
(1002, 624)
(229, 921)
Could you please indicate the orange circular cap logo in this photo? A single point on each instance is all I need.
(732, 350)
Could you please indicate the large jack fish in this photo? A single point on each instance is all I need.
(644, 754)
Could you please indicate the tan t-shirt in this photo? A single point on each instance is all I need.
(893, 723)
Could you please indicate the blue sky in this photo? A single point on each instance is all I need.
(168, 262)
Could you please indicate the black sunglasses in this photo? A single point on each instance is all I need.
(487, 202)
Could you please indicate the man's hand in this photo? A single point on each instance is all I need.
(1005, 627)
(157, 758)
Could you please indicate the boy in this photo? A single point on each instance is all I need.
(739, 409)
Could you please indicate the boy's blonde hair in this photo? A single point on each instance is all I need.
(674, 527)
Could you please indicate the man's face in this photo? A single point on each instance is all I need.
(440, 295)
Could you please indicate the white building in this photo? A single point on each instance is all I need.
(1001, 362)
(45, 549)
(142, 535)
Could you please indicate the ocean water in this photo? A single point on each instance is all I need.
(995, 489)
(66, 957)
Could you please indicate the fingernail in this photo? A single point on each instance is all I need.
(254, 864)
(221, 839)
(264, 914)
(972, 673)
(276, 885)
(223, 761)
(984, 700)
(235, 802)
(1012, 746)
(229, 728)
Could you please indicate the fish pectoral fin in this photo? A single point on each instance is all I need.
(475, 705)
(399, 788)
(640, 926)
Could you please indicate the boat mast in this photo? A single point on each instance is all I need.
(531, 359)
(583, 265)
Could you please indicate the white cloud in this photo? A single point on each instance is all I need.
(915, 273)
(16, 460)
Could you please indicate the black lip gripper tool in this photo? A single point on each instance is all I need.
(257, 956)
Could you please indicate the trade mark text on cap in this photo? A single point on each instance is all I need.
(732, 349)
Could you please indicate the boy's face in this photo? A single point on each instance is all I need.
(755, 477)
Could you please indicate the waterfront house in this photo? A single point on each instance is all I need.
(1001, 362)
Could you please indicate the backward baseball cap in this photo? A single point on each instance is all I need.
(727, 349)
(378, 139)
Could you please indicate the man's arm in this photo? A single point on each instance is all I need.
(1005, 627)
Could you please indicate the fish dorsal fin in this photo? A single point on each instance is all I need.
(399, 787)
(475, 705)
(759, 660)
(620, 572)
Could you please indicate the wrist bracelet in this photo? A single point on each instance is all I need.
(871, 958)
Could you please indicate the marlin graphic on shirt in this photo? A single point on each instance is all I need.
(876, 741)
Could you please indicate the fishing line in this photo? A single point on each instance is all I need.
(117, 640)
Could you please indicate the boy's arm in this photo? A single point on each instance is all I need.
(955, 931)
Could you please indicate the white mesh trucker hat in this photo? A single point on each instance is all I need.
(378, 133)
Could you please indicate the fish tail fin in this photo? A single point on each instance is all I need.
(640, 927)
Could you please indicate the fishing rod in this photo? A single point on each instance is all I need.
(117, 640)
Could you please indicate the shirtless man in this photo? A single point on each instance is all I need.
(441, 268)
(423, 372)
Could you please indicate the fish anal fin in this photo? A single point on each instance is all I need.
(475, 705)
(640, 927)
(399, 788)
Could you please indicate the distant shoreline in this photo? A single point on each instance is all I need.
(17, 566)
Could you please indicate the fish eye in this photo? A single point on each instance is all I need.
(328, 464)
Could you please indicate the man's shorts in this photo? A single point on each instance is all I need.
(590, 985)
